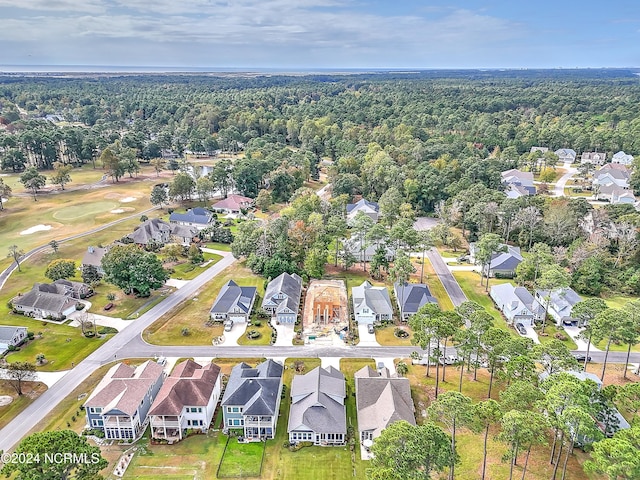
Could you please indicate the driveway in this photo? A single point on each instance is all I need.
(558, 189)
(231, 338)
(448, 280)
(531, 333)
(366, 339)
(286, 334)
(573, 332)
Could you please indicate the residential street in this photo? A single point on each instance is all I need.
(446, 277)
(558, 190)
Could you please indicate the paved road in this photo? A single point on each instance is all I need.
(446, 277)
(115, 348)
(4, 276)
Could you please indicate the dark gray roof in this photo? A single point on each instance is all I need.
(362, 203)
(505, 261)
(317, 402)
(256, 389)
(232, 295)
(149, 230)
(184, 231)
(195, 215)
(44, 299)
(290, 286)
(413, 296)
(93, 256)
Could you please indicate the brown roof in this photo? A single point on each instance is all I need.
(124, 387)
(190, 384)
(234, 202)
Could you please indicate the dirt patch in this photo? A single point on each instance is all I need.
(325, 307)
(5, 400)
(35, 229)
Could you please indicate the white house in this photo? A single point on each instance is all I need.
(282, 297)
(517, 183)
(594, 158)
(622, 158)
(186, 401)
(516, 303)
(371, 304)
(371, 209)
(11, 336)
(566, 155)
(561, 302)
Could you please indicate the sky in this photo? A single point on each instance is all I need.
(307, 34)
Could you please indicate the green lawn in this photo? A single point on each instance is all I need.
(224, 247)
(60, 344)
(551, 330)
(189, 271)
(30, 390)
(194, 314)
(433, 282)
(386, 336)
(265, 334)
(241, 460)
(470, 284)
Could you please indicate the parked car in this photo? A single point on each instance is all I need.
(448, 360)
(521, 329)
(370, 328)
(581, 357)
(228, 325)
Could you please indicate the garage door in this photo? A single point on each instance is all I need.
(236, 318)
(365, 319)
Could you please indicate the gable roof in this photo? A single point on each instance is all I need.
(256, 389)
(233, 202)
(376, 298)
(516, 297)
(44, 296)
(622, 158)
(231, 295)
(382, 400)
(565, 152)
(190, 384)
(290, 286)
(7, 332)
(594, 156)
(505, 261)
(362, 204)
(195, 215)
(124, 387)
(318, 401)
(562, 299)
(413, 296)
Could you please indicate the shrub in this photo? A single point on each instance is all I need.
(257, 323)
(185, 332)
(561, 336)
(107, 330)
(79, 306)
(253, 334)
(400, 333)
(111, 296)
(30, 335)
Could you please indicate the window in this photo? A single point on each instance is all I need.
(228, 409)
(96, 423)
(230, 423)
(199, 409)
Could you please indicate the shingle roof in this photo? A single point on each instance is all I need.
(256, 389)
(232, 295)
(290, 286)
(7, 332)
(123, 387)
(362, 203)
(376, 298)
(93, 256)
(44, 300)
(505, 261)
(317, 401)
(190, 384)
(562, 299)
(233, 202)
(382, 400)
(413, 296)
(195, 215)
(148, 230)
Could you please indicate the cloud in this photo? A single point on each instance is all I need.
(87, 6)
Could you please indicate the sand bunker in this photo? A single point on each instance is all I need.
(37, 228)
(128, 199)
(117, 210)
(5, 400)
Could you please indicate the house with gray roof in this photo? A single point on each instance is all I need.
(566, 155)
(11, 336)
(233, 303)
(119, 404)
(54, 301)
(251, 399)
(318, 413)
(594, 158)
(198, 217)
(365, 251)
(93, 257)
(502, 263)
(411, 296)
(561, 301)
(153, 230)
(517, 183)
(186, 401)
(381, 399)
(282, 297)
(371, 304)
(516, 304)
(622, 158)
(371, 209)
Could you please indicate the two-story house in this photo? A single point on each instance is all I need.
(318, 412)
(119, 404)
(282, 297)
(371, 304)
(151, 231)
(594, 158)
(233, 303)
(198, 217)
(561, 302)
(251, 399)
(622, 158)
(186, 401)
(566, 155)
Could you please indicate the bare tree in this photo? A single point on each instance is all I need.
(15, 253)
(528, 218)
(87, 322)
(627, 239)
(19, 372)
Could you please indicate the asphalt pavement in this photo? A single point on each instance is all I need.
(446, 277)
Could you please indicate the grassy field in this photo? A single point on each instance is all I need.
(551, 330)
(194, 314)
(241, 460)
(433, 282)
(264, 329)
(470, 284)
(30, 391)
(386, 336)
(224, 247)
(189, 271)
